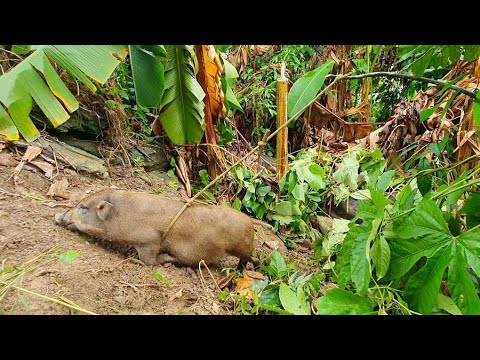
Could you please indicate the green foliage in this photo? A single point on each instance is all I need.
(257, 196)
(341, 302)
(69, 256)
(161, 279)
(419, 58)
(23, 85)
(306, 88)
(182, 104)
(284, 291)
(226, 131)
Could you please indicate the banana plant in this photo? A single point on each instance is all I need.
(164, 78)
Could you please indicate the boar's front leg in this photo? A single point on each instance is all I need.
(165, 258)
(148, 253)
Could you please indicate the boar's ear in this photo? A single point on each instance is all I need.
(104, 209)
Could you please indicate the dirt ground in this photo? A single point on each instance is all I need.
(106, 278)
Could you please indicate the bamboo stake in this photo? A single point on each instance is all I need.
(282, 136)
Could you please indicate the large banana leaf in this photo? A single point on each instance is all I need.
(24, 84)
(182, 107)
(148, 73)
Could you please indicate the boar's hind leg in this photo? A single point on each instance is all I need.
(242, 263)
(148, 254)
(165, 258)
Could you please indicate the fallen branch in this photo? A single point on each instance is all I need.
(472, 94)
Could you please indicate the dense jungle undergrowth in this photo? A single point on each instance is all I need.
(367, 170)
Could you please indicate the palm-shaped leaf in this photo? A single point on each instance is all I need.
(182, 108)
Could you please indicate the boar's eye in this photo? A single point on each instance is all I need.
(82, 208)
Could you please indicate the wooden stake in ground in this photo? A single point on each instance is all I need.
(282, 136)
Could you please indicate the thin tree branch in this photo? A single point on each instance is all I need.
(472, 94)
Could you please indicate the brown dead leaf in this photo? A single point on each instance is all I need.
(334, 57)
(226, 281)
(242, 287)
(7, 159)
(58, 189)
(253, 275)
(31, 153)
(177, 295)
(213, 70)
(45, 167)
(157, 127)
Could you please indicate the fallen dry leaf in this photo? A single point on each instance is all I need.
(242, 287)
(253, 275)
(45, 167)
(58, 189)
(226, 281)
(31, 153)
(7, 159)
(177, 295)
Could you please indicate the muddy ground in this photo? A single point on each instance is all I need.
(105, 278)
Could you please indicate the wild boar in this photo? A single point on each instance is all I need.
(202, 232)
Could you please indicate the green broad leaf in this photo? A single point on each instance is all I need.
(286, 208)
(476, 111)
(55, 83)
(43, 96)
(419, 66)
(472, 52)
(405, 199)
(423, 286)
(299, 192)
(263, 190)
(344, 257)
(361, 270)
(291, 302)
(231, 99)
(230, 71)
(7, 126)
(23, 49)
(380, 255)
(160, 278)
(270, 296)
(425, 114)
(69, 256)
(148, 74)
(452, 198)
(182, 107)
(471, 208)
(384, 180)
(426, 221)
(470, 242)
(418, 234)
(424, 184)
(347, 172)
(23, 83)
(307, 87)
(447, 304)
(98, 62)
(342, 302)
(277, 263)
(237, 204)
(460, 284)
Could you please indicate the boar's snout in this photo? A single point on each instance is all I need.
(58, 219)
